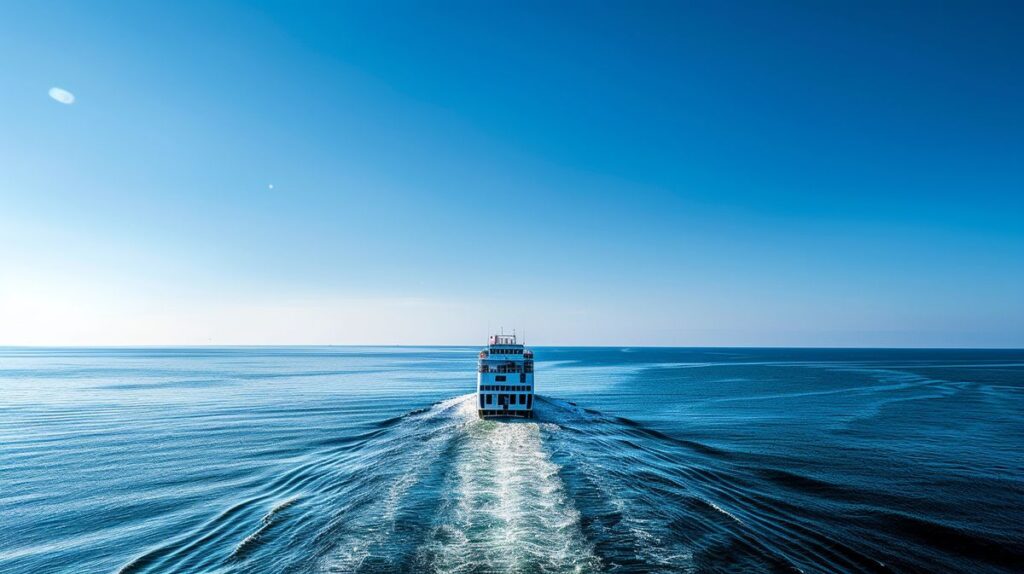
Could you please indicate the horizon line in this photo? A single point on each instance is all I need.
(458, 346)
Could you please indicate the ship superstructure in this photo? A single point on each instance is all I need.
(504, 380)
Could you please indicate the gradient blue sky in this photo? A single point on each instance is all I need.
(687, 173)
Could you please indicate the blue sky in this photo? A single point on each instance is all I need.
(688, 173)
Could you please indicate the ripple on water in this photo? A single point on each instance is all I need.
(298, 461)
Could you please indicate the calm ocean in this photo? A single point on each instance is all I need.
(347, 459)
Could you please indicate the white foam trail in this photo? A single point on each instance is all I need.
(373, 528)
(637, 519)
(507, 509)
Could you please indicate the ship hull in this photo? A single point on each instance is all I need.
(496, 414)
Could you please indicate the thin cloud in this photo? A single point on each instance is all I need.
(61, 95)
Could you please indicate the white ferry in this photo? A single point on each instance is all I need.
(504, 380)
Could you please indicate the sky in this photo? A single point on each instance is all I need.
(594, 173)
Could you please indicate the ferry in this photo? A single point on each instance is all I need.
(504, 379)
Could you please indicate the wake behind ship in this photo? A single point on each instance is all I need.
(504, 380)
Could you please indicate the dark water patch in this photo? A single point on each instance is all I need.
(990, 548)
(348, 441)
(636, 429)
(807, 484)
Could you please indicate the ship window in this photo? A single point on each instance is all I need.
(511, 399)
(490, 399)
(522, 377)
(499, 378)
(481, 401)
(522, 399)
(529, 401)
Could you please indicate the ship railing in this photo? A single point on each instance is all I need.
(504, 370)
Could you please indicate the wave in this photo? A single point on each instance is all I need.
(268, 520)
(573, 490)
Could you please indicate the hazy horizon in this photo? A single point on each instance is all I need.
(700, 174)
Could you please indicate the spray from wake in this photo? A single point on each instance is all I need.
(505, 507)
(490, 493)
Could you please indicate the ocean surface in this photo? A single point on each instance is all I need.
(348, 459)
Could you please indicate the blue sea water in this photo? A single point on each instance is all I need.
(345, 459)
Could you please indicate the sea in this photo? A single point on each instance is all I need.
(373, 459)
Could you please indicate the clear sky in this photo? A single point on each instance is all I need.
(680, 173)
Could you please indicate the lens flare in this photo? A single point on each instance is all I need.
(61, 95)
